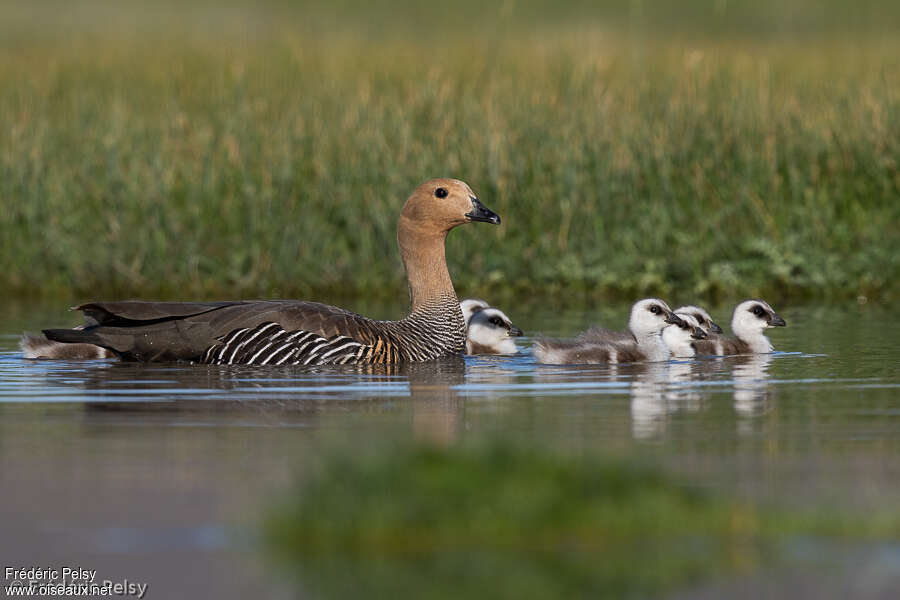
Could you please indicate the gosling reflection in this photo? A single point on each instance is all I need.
(753, 395)
(649, 407)
(658, 391)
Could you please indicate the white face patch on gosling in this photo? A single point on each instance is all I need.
(490, 327)
(648, 317)
(678, 339)
(751, 317)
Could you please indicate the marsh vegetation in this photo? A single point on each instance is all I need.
(235, 150)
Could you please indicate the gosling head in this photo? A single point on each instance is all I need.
(470, 305)
(491, 332)
(703, 318)
(439, 205)
(679, 339)
(751, 317)
(649, 317)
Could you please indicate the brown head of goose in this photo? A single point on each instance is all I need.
(489, 330)
(750, 319)
(647, 320)
(298, 332)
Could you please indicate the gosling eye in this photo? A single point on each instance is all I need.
(441, 192)
(758, 310)
(654, 309)
(495, 321)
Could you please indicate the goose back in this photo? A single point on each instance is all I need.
(268, 332)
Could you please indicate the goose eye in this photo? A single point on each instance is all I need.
(441, 192)
(757, 310)
(654, 309)
(496, 321)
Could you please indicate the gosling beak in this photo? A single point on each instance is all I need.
(776, 321)
(698, 334)
(515, 332)
(482, 213)
(673, 319)
(714, 328)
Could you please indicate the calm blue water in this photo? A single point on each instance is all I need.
(159, 473)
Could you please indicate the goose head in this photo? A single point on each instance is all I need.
(649, 317)
(439, 205)
(470, 305)
(491, 332)
(703, 318)
(751, 318)
(680, 338)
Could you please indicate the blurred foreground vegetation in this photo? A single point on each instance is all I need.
(720, 149)
(500, 521)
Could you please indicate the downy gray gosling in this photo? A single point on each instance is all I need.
(680, 338)
(489, 330)
(648, 319)
(705, 321)
(750, 319)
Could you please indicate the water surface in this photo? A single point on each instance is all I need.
(159, 473)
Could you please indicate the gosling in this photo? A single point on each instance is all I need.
(37, 346)
(489, 330)
(705, 321)
(681, 339)
(750, 319)
(648, 319)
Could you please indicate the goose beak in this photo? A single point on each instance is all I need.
(482, 213)
(515, 332)
(776, 321)
(714, 328)
(698, 334)
(673, 319)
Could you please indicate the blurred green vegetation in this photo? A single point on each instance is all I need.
(501, 521)
(720, 148)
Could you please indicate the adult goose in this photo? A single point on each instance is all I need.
(290, 332)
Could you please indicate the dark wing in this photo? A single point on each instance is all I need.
(165, 331)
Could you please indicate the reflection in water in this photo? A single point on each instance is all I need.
(196, 451)
(254, 394)
(437, 409)
(752, 394)
(659, 390)
(649, 409)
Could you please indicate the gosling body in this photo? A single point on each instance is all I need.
(750, 319)
(647, 320)
(681, 338)
(39, 347)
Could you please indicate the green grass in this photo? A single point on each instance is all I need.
(500, 521)
(718, 151)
